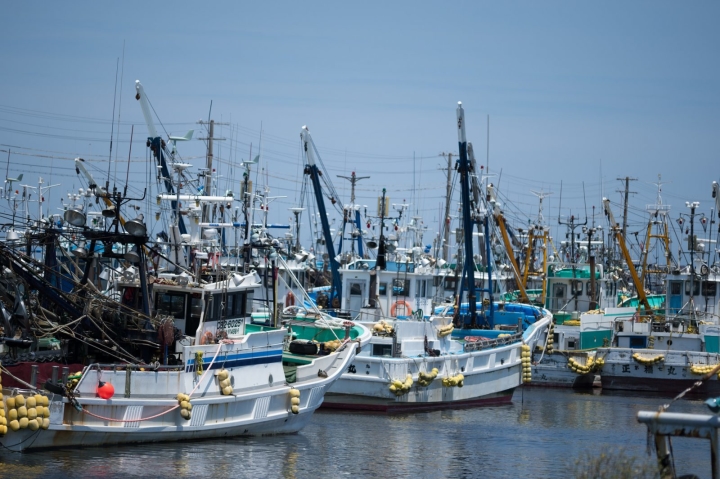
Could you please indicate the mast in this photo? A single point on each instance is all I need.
(448, 198)
(348, 212)
(468, 277)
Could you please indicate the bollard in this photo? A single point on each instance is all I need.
(55, 371)
(65, 374)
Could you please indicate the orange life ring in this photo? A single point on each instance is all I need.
(206, 338)
(289, 299)
(404, 304)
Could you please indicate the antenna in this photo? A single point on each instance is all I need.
(560, 206)
(112, 127)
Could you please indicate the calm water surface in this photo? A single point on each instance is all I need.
(538, 436)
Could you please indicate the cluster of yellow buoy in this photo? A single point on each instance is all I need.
(382, 327)
(73, 380)
(445, 330)
(294, 400)
(332, 345)
(526, 364)
(185, 405)
(452, 381)
(591, 365)
(647, 361)
(424, 379)
(224, 381)
(551, 338)
(571, 322)
(399, 388)
(702, 369)
(31, 413)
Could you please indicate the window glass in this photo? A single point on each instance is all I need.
(230, 305)
(696, 287)
(675, 287)
(383, 289)
(171, 304)
(401, 287)
(709, 288)
(355, 289)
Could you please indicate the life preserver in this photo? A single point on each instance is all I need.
(404, 304)
(206, 338)
(289, 299)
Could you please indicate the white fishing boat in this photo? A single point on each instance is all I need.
(416, 363)
(670, 350)
(231, 380)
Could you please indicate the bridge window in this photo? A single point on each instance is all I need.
(401, 287)
(171, 304)
(709, 288)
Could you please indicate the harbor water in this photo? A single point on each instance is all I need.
(540, 435)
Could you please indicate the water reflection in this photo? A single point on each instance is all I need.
(538, 435)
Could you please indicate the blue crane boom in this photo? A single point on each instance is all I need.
(312, 170)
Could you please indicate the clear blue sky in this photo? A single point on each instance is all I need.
(578, 92)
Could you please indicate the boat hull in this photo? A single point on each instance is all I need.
(365, 403)
(490, 376)
(52, 438)
(672, 374)
(553, 371)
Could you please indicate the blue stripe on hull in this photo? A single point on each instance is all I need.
(236, 360)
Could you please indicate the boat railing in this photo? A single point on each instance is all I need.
(134, 367)
(481, 344)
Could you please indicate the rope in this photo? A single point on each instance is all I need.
(172, 408)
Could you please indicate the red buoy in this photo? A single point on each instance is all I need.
(105, 390)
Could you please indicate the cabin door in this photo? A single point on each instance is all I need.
(557, 300)
(675, 300)
(357, 291)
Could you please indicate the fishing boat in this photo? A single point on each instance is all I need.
(416, 363)
(172, 354)
(670, 349)
(209, 374)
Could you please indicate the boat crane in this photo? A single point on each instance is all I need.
(312, 170)
(157, 146)
(626, 254)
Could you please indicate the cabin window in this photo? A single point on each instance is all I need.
(450, 284)
(571, 344)
(638, 342)
(576, 287)
(171, 304)
(437, 281)
(248, 300)
(709, 288)
(383, 289)
(401, 287)
(695, 288)
(675, 287)
(355, 289)
(216, 307)
(382, 350)
(421, 288)
(193, 322)
(230, 305)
